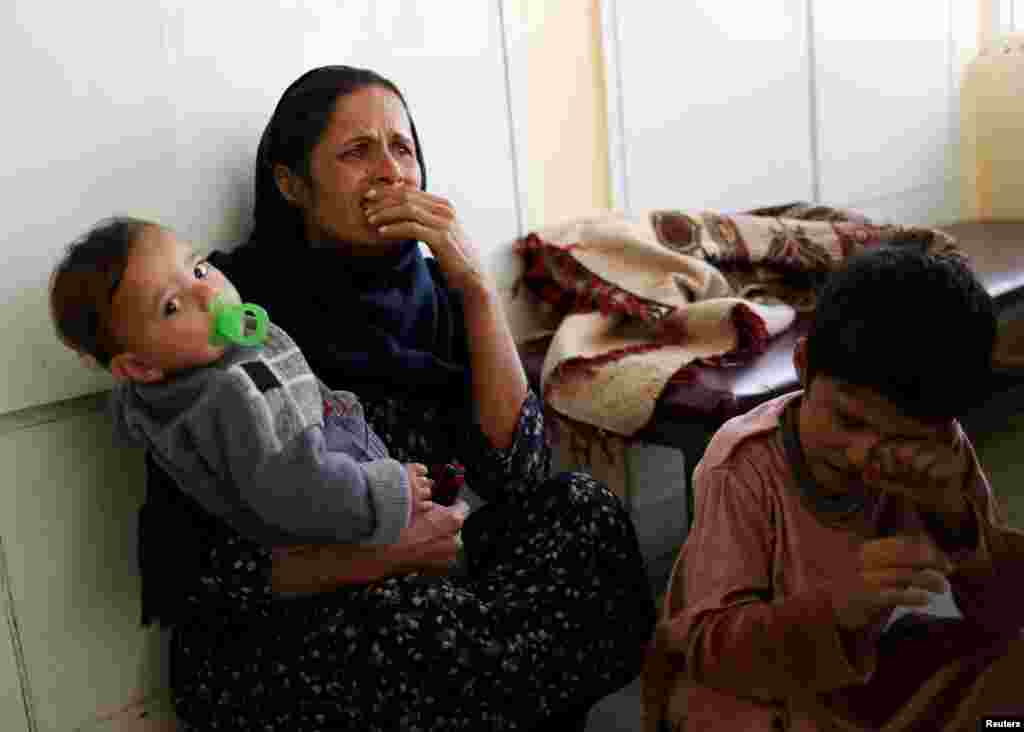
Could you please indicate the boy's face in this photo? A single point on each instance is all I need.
(840, 425)
(161, 309)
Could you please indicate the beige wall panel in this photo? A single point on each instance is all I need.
(68, 522)
(12, 706)
(566, 129)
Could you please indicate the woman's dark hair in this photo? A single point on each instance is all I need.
(916, 328)
(295, 127)
(83, 284)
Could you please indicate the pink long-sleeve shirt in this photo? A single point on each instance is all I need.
(750, 619)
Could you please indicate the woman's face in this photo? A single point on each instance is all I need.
(367, 144)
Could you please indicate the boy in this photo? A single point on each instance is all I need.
(821, 512)
(248, 431)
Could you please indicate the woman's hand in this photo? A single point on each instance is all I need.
(399, 213)
(499, 382)
(431, 542)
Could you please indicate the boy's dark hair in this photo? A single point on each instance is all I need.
(918, 329)
(83, 284)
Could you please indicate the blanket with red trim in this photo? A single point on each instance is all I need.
(638, 300)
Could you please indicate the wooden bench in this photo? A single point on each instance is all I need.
(687, 415)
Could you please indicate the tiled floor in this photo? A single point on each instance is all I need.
(659, 511)
(617, 713)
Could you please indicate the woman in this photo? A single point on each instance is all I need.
(551, 609)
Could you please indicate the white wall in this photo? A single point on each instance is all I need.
(729, 105)
(145, 109)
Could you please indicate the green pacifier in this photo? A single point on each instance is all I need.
(244, 324)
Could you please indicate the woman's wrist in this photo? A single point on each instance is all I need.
(325, 567)
(478, 290)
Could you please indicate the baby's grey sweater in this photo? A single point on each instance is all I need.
(247, 438)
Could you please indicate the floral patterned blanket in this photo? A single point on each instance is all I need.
(637, 301)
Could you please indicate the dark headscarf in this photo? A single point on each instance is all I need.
(375, 325)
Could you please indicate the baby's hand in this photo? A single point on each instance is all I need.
(420, 486)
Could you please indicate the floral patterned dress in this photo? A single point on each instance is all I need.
(552, 614)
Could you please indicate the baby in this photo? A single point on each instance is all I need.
(247, 430)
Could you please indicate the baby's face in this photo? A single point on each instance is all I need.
(161, 309)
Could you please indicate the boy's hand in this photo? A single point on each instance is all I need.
(895, 570)
(420, 487)
(931, 473)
